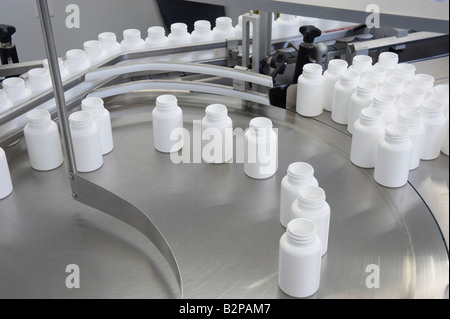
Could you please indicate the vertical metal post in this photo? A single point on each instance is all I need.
(58, 88)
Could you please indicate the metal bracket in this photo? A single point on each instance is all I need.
(232, 52)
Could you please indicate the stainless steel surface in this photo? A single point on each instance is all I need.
(223, 226)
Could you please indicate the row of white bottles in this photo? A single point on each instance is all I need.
(91, 134)
(306, 214)
(260, 139)
(5, 106)
(424, 129)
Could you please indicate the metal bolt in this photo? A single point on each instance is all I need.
(74, 195)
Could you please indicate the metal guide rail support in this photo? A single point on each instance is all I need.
(85, 191)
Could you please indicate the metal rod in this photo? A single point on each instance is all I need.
(52, 57)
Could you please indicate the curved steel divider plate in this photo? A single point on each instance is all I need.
(99, 198)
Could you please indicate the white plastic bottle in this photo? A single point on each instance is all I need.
(335, 68)
(261, 149)
(369, 130)
(6, 186)
(202, 33)
(38, 80)
(393, 85)
(167, 123)
(43, 142)
(441, 94)
(388, 60)
(5, 106)
(425, 82)
(405, 71)
(16, 90)
(223, 30)
(102, 119)
(132, 40)
(179, 36)
(109, 43)
(412, 119)
(310, 90)
(375, 74)
(62, 69)
(342, 94)
(217, 135)
(412, 98)
(94, 52)
(156, 38)
(445, 139)
(86, 142)
(386, 104)
(311, 204)
(288, 26)
(299, 174)
(362, 98)
(393, 157)
(360, 64)
(299, 264)
(434, 121)
(76, 62)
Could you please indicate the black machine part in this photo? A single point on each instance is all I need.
(307, 50)
(8, 51)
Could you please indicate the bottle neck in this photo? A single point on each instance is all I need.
(107, 39)
(337, 66)
(388, 59)
(366, 90)
(311, 197)
(413, 95)
(431, 109)
(156, 33)
(38, 118)
(300, 231)
(349, 78)
(166, 102)
(39, 77)
(405, 71)
(179, 29)
(14, 87)
(397, 134)
(93, 48)
(371, 117)
(262, 127)
(362, 62)
(76, 58)
(93, 105)
(300, 172)
(132, 35)
(216, 112)
(224, 23)
(81, 120)
(383, 101)
(312, 71)
(202, 26)
(410, 118)
(424, 81)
